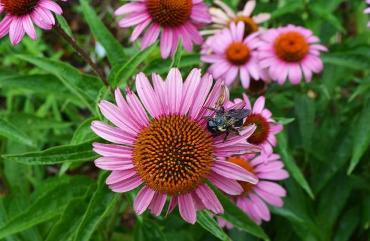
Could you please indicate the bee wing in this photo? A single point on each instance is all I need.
(221, 100)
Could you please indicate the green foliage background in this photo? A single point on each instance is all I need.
(50, 189)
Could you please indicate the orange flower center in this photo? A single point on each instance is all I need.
(173, 155)
(19, 7)
(247, 187)
(262, 128)
(238, 53)
(170, 13)
(250, 26)
(291, 46)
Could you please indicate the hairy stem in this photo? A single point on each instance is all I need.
(84, 55)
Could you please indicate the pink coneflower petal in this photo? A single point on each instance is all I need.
(120, 175)
(52, 6)
(252, 199)
(127, 184)
(231, 55)
(228, 186)
(209, 199)
(174, 90)
(170, 21)
(143, 199)
(156, 206)
(299, 59)
(187, 208)
(190, 87)
(148, 96)
(20, 16)
(114, 163)
(112, 150)
(150, 36)
(223, 16)
(249, 7)
(260, 207)
(233, 171)
(270, 198)
(112, 134)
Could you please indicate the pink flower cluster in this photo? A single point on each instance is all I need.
(289, 52)
(20, 15)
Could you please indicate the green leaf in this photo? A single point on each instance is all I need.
(325, 15)
(55, 155)
(83, 132)
(327, 212)
(147, 230)
(209, 224)
(63, 23)
(69, 220)
(11, 132)
(160, 66)
(290, 6)
(86, 87)
(305, 111)
(47, 206)
(361, 139)
(33, 122)
(346, 61)
(102, 201)
(284, 121)
(120, 74)
(347, 224)
(176, 60)
(238, 218)
(114, 49)
(291, 165)
(40, 84)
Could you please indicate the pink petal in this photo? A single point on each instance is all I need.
(227, 185)
(118, 176)
(209, 199)
(157, 204)
(143, 200)
(126, 185)
(233, 171)
(187, 208)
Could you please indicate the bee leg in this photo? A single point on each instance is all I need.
(235, 131)
(226, 135)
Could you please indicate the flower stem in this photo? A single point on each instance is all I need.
(85, 56)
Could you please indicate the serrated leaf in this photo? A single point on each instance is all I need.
(11, 132)
(101, 202)
(291, 165)
(120, 74)
(210, 224)
(49, 205)
(114, 49)
(238, 218)
(361, 140)
(56, 155)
